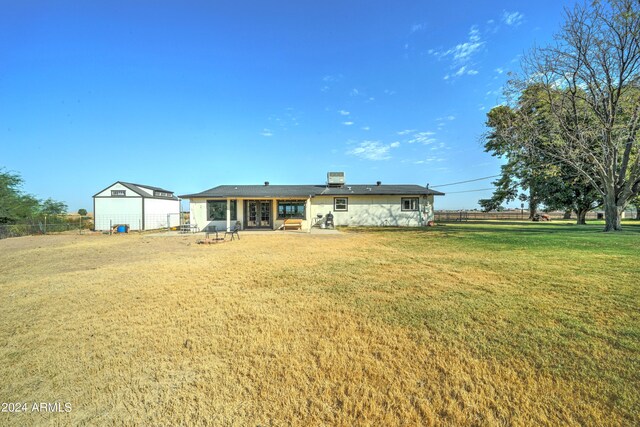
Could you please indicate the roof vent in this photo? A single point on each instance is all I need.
(335, 179)
(266, 183)
(378, 183)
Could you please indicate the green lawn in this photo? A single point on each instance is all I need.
(460, 324)
(563, 298)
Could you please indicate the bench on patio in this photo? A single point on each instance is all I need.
(292, 224)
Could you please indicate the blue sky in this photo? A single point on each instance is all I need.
(191, 95)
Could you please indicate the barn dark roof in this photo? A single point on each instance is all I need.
(304, 191)
(136, 188)
(146, 186)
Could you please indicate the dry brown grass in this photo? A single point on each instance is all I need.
(364, 328)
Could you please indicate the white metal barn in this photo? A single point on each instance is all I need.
(140, 207)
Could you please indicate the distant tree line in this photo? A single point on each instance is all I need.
(17, 206)
(569, 132)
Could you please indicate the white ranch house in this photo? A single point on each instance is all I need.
(140, 207)
(267, 206)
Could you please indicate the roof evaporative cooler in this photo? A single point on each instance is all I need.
(335, 179)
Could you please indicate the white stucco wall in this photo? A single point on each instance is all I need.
(198, 214)
(117, 210)
(362, 210)
(374, 211)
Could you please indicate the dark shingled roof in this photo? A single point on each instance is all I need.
(139, 191)
(146, 186)
(304, 191)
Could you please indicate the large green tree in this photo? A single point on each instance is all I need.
(52, 207)
(529, 168)
(16, 206)
(591, 77)
(565, 190)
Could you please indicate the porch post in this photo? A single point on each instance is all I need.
(308, 214)
(228, 214)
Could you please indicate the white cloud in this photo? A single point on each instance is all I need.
(284, 120)
(394, 144)
(266, 132)
(499, 70)
(462, 54)
(424, 138)
(365, 128)
(414, 137)
(332, 78)
(442, 121)
(372, 150)
(430, 159)
(354, 92)
(347, 123)
(464, 51)
(344, 113)
(418, 27)
(512, 18)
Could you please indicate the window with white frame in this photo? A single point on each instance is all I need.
(340, 203)
(409, 203)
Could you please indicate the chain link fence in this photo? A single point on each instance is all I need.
(17, 230)
(104, 223)
(45, 225)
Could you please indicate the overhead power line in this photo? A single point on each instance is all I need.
(464, 182)
(469, 191)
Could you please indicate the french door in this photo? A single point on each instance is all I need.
(258, 214)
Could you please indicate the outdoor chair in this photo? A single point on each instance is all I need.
(234, 230)
(211, 229)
